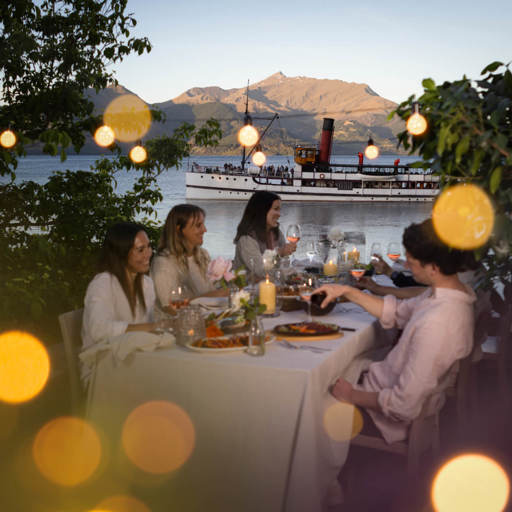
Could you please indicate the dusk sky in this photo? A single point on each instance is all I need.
(391, 46)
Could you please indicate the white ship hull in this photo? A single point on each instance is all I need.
(331, 187)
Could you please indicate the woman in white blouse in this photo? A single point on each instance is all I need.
(180, 260)
(121, 297)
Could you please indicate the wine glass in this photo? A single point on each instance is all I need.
(357, 273)
(311, 251)
(293, 233)
(375, 250)
(305, 292)
(394, 251)
(177, 299)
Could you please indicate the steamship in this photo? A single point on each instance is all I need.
(314, 178)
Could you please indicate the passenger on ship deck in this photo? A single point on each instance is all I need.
(180, 260)
(258, 231)
(437, 331)
(121, 297)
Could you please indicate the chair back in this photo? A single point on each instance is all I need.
(71, 327)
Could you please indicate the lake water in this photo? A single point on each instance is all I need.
(380, 222)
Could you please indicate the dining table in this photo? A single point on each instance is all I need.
(261, 442)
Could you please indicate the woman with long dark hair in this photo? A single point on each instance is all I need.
(120, 298)
(180, 260)
(258, 231)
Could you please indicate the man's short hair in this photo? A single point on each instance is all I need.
(423, 244)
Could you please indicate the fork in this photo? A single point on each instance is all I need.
(318, 350)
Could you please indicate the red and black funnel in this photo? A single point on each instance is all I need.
(326, 141)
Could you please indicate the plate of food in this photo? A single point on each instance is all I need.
(307, 330)
(221, 344)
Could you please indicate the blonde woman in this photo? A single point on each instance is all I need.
(180, 260)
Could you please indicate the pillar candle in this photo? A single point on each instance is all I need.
(330, 268)
(354, 255)
(267, 296)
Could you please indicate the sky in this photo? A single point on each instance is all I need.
(389, 45)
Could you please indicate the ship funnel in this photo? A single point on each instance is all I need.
(326, 141)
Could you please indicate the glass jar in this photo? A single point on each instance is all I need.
(256, 345)
(331, 262)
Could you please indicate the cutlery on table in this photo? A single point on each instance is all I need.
(287, 344)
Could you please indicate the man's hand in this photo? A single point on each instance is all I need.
(332, 292)
(342, 390)
(381, 267)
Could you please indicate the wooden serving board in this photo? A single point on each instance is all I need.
(313, 337)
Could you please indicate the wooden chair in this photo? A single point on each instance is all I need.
(71, 326)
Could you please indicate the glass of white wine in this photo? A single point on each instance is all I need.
(305, 292)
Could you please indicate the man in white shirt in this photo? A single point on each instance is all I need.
(437, 331)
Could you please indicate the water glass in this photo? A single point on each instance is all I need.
(190, 324)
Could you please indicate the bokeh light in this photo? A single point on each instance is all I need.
(248, 135)
(463, 216)
(121, 503)
(416, 124)
(8, 139)
(67, 451)
(138, 154)
(104, 136)
(335, 421)
(470, 483)
(158, 437)
(129, 117)
(259, 158)
(371, 152)
(24, 366)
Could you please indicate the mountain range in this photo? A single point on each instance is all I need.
(300, 102)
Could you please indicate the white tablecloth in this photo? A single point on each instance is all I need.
(260, 440)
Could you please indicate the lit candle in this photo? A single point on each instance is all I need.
(354, 255)
(330, 268)
(267, 295)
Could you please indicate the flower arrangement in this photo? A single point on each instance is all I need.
(336, 235)
(220, 271)
(269, 258)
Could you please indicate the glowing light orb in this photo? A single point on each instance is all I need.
(8, 139)
(336, 423)
(129, 117)
(463, 216)
(259, 158)
(371, 152)
(67, 451)
(416, 124)
(104, 136)
(248, 135)
(138, 154)
(24, 366)
(470, 483)
(121, 503)
(158, 437)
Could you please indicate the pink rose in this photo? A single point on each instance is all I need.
(218, 268)
(228, 276)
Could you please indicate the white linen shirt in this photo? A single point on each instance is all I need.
(437, 331)
(107, 311)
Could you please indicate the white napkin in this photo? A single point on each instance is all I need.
(120, 347)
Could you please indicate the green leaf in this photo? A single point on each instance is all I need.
(461, 149)
(490, 68)
(495, 180)
(429, 84)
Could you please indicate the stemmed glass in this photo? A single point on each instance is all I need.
(311, 251)
(394, 251)
(293, 233)
(176, 299)
(305, 292)
(357, 273)
(376, 250)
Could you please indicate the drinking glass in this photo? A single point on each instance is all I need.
(293, 233)
(191, 325)
(357, 273)
(310, 251)
(305, 292)
(394, 251)
(177, 299)
(375, 250)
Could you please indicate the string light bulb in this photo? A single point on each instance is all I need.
(138, 154)
(104, 136)
(372, 151)
(248, 135)
(259, 158)
(8, 139)
(416, 124)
